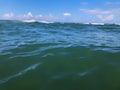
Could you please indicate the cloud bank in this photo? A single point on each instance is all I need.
(106, 18)
(102, 14)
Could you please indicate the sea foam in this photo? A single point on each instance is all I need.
(32, 21)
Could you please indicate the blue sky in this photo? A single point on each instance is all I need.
(84, 11)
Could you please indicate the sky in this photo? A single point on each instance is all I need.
(83, 11)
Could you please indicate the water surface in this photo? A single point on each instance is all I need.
(59, 56)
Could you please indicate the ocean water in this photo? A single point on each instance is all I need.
(59, 56)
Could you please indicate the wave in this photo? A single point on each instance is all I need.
(45, 22)
(87, 72)
(32, 67)
(97, 23)
(50, 22)
(29, 21)
(101, 23)
(33, 21)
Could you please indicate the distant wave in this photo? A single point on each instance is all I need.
(97, 23)
(29, 21)
(50, 22)
(45, 22)
(32, 21)
(94, 23)
(101, 23)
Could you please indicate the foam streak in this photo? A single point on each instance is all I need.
(32, 67)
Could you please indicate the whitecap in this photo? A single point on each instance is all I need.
(45, 22)
(29, 21)
(97, 23)
(32, 21)
(86, 23)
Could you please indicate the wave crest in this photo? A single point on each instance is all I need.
(33, 21)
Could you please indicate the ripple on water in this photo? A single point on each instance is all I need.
(32, 67)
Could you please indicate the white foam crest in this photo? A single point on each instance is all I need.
(94, 23)
(86, 23)
(45, 22)
(32, 67)
(102, 23)
(32, 21)
(97, 23)
(29, 21)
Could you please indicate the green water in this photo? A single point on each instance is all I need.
(59, 56)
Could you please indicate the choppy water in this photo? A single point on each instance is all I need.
(59, 56)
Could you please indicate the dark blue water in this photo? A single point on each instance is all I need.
(59, 56)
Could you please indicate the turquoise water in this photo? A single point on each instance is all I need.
(59, 56)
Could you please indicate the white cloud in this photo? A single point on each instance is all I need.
(112, 3)
(95, 11)
(111, 14)
(67, 14)
(28, 15)
(8, 15)
(100, 11)
(105, 18)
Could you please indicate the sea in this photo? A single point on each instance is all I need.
(59, 56)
